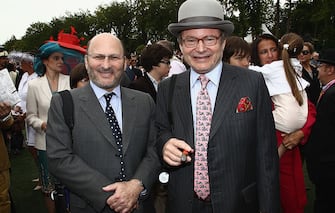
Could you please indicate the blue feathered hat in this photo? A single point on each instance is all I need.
(71, 57)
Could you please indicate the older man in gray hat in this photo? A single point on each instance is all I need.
(216, 133)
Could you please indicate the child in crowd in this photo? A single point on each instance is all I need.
(287, 87)
(237, 52)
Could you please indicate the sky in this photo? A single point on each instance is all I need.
(17, 15)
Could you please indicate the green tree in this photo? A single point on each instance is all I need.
(35, 35)
(249, 15)
(138, 21)
(153, 17)
(117, 18)
(315, 21)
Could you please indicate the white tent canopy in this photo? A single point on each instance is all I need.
(248, 38)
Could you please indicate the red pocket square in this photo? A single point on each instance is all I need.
(244, 105)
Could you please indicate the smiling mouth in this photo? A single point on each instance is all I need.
(105, 71)
(201, 57)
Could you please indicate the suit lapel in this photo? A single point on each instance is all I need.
(63, 83)
(129, 109)
(150, 84)
(183, 105)
(45, 88)
(91, 106)
(223, 103)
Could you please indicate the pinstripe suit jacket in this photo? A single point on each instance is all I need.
(91, 161)
(242, 151)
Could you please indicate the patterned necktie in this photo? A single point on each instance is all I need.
(203, 125)
(114, 125)
(320, 96)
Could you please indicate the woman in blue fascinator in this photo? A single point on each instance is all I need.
(52, 62)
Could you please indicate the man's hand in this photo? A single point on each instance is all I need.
(173, 150)
(125, 195)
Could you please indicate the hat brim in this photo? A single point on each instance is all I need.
(226, 26)
(326, 61)
(71, 46)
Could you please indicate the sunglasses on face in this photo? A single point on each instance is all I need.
(305, 52)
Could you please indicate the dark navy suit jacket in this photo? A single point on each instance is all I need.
(242, 147)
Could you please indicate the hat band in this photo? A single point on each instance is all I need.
(199, 19)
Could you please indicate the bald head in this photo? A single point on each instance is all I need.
(104, 39)
(105, 60)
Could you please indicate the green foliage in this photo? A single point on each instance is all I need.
(136, 22)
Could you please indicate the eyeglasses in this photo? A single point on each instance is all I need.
(305, 52)
(100, 57)
(165, 62)
(192, 42)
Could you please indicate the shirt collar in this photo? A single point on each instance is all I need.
(330, 83)
(99, 92)
(213, 75)
(153, 80)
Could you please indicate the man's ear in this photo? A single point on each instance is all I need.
(86, 62)
(224, 44)
(125, 63)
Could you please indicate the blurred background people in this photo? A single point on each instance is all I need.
(176, 64)
(287, 87)
(131, 67)
(310, 73)
(237, 52)
(314, 60)
(155, 59)
(26, 61)
(49, 65)
(3, 58)
(78, 76)
(6, 120)
(264, 50)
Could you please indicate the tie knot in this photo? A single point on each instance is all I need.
(203, 80)
(108, 97)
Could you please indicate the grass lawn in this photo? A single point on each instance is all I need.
(23, 170)
(310, 193)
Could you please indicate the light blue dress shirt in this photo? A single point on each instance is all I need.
(115, 102)
(212, 87)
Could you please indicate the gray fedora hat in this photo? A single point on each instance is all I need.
(196, 14)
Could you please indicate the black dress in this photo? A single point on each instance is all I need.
(314, 89)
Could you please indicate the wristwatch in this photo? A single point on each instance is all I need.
(143, 193)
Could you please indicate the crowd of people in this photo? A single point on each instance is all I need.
(211, 124)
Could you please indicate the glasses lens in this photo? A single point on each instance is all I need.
(305, 52)
(165, 62)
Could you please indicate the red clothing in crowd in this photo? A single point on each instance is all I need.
(292, 186)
